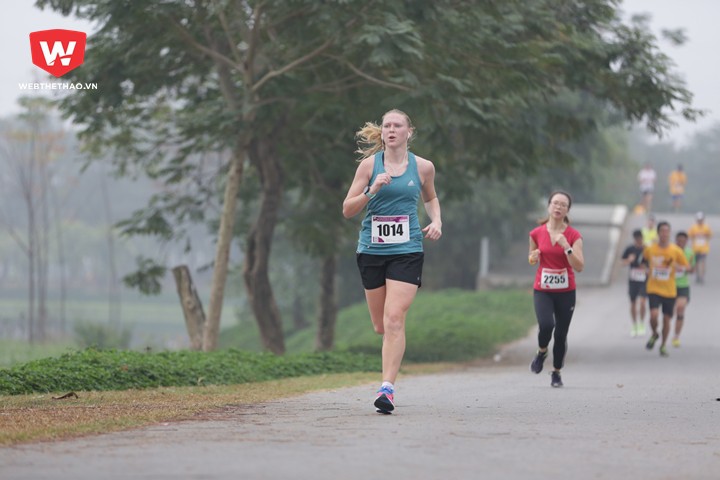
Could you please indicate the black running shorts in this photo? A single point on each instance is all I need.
(684, 292)
(636, 289)
(375, 269)
(668, 304)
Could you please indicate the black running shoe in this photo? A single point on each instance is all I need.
(536, 365)
(555, 380)
(651, 343)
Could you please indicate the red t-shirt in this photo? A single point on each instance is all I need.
(554, 273)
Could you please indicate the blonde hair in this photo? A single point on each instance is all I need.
(370, 135)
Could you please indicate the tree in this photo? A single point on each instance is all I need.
(28, 151)
(487, 79)
(498, 89)
(214, 76)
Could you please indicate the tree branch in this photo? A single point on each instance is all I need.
(202, 48)
(268, 76)
(253, 44)
(370, 78)
(226, 28)
(23, 246)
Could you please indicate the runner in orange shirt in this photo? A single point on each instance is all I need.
(677, 181)
(700, 235)
(663, 258)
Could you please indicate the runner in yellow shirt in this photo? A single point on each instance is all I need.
(663, 259)
(677, 181)
(649, 231)
(700, 235)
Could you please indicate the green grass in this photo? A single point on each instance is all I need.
(447, 325)
(156, 322)
(13, 352)
(97, 370)
(443, 326)
(156, 313)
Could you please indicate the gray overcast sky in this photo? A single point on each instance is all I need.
(694, 60)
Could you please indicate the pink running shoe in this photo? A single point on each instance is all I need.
(384, 401)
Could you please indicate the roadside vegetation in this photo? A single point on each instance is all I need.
(92, 390)
(442, 326)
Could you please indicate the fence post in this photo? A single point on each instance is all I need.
(191, 306)
(484, 266)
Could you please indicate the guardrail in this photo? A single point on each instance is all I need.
(602, 228)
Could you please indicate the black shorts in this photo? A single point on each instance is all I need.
(375, 269)
(636, 289)
(700, 256)
(684, 292)
(668, 304)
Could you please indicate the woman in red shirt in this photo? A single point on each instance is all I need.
(557, 248)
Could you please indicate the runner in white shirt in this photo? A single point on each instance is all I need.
(646, 179)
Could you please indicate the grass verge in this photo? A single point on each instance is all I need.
(39, 417)
(117, 390)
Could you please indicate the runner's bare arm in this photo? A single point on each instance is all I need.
(533, 253)
(576, 258)
(426, 170)
(356, 199)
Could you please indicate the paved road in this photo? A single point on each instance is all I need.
(624, 413)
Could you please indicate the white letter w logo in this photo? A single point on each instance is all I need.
(57, 51)
(46, 46)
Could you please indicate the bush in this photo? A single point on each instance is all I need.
(98, 335)
(93, 369)
(447, 325)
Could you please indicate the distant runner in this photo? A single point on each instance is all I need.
(676, 182)
(663, 259)
(682, 282)
(646, 180)
(637, 276)
(700, 235)
(649, 231)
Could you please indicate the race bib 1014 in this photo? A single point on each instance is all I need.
(390, 229)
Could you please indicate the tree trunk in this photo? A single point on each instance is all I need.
(114, 300)
(298, 318)
(43, 257)
(31, 287)
(61, 260)
(328, 306)
(31, 251)
(255, 270)
(191, 306)
(222, 251)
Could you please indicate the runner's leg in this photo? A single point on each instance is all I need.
(399, 297)
(680, 315)
(376, 304)
(564, 309)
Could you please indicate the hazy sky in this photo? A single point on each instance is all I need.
(694, 60)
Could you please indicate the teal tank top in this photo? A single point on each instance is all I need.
(391, 225)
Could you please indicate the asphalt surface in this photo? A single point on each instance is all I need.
(625, 412)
